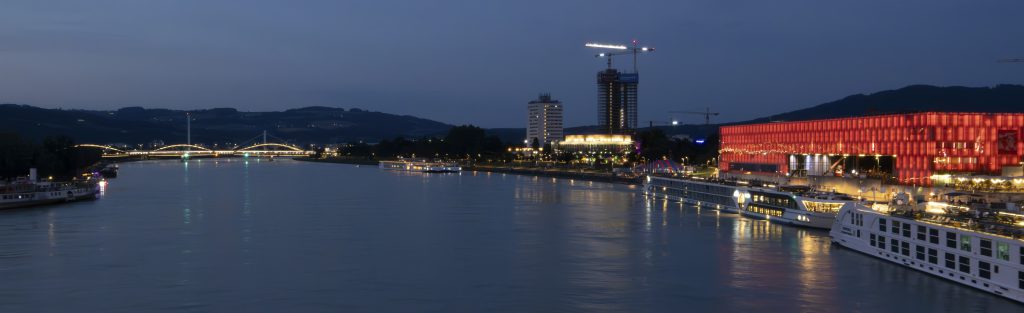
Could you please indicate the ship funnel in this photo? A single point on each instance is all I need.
(32, 175)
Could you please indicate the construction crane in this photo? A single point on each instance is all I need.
(707, 114)
(621, 50)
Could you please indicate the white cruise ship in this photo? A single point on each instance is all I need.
(981, 249)
(26, 193)
(793, 205)
(718, 195)
(420, 166)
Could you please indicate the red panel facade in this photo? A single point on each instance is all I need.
(923, 143)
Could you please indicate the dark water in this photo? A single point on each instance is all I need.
(287, 236)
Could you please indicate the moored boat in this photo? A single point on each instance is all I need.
(982, 249)
(26, 192)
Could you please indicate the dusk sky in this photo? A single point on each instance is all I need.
(480, 62)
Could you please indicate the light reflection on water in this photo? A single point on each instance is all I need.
(244, 235)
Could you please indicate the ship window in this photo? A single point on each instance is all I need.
(965, 243)
(933, 235)
(896, 227)
(920, 252)
(921, 233)
(986, 247)
(894, 245)
(950, 261)
(1003, 251)
(881, 225)
(1020, 280)
(984, 270)
(881, 242)
(951, 240)
(933, 256)
(906, 230)
(872, 240)
(965, 264)
(905, 248)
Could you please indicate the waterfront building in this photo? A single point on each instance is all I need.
(616, 101)
(544, 121)
(912, 149)
(596, 147)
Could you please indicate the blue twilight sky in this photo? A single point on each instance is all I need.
(480, 61)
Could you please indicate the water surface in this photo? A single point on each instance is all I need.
(287, 236)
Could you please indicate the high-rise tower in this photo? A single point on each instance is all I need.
(616, 101)
(545, 120)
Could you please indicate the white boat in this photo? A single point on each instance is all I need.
(718, 195)
(801, 207)
(980, 249)
(21, 194)
(798, 206)
(420, 166)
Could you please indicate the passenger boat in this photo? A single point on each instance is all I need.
(713, 194)
(798, 206)
(421, 166)
(980, 248)
(26, 192)
(794, 205)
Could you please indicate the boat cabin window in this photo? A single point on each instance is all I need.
(986, 247)
(951, 240)
(881, 225)
(1020, 278)
(984, 270)
(921, 233)
(933, 256)
(965, 264)
(896, 227)
(933, 235)
(965, 243)
(950, 261)
(1003, 251)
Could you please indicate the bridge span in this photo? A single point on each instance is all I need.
(190, 150)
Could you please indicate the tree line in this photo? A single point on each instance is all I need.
(55, 156)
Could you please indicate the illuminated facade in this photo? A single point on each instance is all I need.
(544, 121)
(596, 144)
(912, 148)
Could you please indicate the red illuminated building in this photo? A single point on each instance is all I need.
(910, 148)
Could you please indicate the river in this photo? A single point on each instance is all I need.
(243, 235)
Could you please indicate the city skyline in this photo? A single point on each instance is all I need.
(482, 61)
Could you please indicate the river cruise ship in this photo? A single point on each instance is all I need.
(795, 205)
(421, 166)
(25, 193)
(980, 248)
(713, 194)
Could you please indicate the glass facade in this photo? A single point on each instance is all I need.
(921, 144)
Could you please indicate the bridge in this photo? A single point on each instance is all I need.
(191, 150)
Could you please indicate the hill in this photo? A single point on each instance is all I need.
(135, 125)
(915, 98)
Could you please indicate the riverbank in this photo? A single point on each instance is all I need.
(544, 172)
(557, 173)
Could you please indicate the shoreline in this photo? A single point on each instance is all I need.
(595, 177)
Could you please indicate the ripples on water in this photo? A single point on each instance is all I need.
(285, 236)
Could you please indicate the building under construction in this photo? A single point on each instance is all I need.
(616, 101)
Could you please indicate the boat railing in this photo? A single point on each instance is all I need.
(986, 222)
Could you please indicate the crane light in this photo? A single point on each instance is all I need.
(604, 46)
